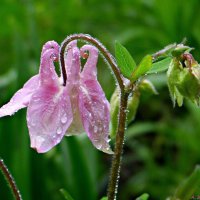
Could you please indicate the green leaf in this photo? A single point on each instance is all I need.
(144, 66)
(79, 186)
(104, 198)
(145, 196)
(66, 195)
(160, 66)
(189, 186)
(140, 128)
(124, 60)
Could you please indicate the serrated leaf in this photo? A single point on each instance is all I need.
(144, 66)
(145, 196)
(124, 60)
(160, 66)
(66, 195)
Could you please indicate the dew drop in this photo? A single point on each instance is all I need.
(95, 129)
(59, 131)
(64, 119)
(37, 99)
(33, 123)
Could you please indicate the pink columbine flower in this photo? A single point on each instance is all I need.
(54, 110)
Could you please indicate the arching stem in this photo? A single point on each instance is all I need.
(10, 180)
(87, 38)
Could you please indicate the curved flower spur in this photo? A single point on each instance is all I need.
(55, 110)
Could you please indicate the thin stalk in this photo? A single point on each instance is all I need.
(117, 158)
(106, 54)
(10, 180)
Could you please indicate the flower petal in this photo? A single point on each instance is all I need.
(21, 98)
(49, 45)
(73, 88)
(72, 64)
(90, 70)
(49, 115)
(50, 53)
(95, 114)
(93, 105)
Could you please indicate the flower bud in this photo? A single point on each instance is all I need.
(173, 73)
(133, 103)
(147, 86)
(189, 85)
(132, 106)
(184, 79)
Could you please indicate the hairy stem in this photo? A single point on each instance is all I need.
(106, 54)
(116, 162)
(10, 180)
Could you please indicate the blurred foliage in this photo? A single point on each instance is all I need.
(162, 144)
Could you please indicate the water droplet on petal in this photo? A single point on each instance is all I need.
(64, 119)
(37, 99)
(59, 131)
(95, 129)
(33, 123)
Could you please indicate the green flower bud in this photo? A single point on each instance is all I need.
(180, 49)
(189, 85)
(114, 109)
(133, 103)
(147, 86)
(173, 74)
(184, 79)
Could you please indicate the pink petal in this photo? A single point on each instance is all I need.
(21, 98)
(73, 88)
(93, 105)
(49, 115)
(95, 114)
(49, 45)
(50, 53)
(90, 70)
(72, 64)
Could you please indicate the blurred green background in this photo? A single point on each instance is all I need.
(162, 144)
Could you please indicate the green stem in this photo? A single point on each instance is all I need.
(116, 162)
(10, 180)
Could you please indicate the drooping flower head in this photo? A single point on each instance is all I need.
(89, 103)
(55, 110)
